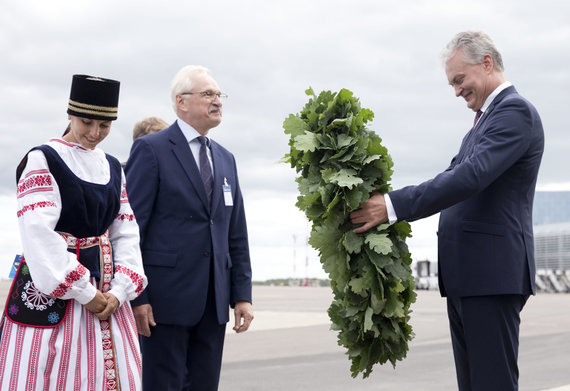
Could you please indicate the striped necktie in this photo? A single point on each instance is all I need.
(205, 168)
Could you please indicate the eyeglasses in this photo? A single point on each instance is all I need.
(210, 95)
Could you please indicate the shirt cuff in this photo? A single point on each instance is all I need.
(87, 294)
(119, 293)
(392, 218)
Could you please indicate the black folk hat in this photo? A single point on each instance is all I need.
(94, 97)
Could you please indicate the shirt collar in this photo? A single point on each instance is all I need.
(189, 132)
(494, 94)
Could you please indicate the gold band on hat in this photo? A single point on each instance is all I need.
(84, 108)
(94, 97)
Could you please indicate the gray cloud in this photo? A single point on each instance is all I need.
(264, 55)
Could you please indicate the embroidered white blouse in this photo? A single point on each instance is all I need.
(45, 251)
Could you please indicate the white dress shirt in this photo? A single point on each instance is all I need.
(192, 135)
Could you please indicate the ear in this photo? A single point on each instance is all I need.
(179, 102)
(488, 63)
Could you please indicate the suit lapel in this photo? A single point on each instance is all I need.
(217, 159)
(183, 154)
(475, 134)
(507, 91)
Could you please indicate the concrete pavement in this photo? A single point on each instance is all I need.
(290, 347)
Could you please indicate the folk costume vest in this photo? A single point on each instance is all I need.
(88, 209)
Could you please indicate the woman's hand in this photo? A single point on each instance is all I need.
(110, 308)
(97, 304)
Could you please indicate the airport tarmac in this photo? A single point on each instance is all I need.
(290, 346)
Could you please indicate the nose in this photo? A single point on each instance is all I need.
(94, 131)
(458, 90)
(217, 101)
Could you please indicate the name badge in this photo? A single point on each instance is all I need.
(228, 200)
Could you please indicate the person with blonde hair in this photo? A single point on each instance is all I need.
(148, 126)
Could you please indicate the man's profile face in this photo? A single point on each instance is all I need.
(470, 81)
(203, 113)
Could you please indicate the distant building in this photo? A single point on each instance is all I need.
(551, 219)
(552, 246)
(551, 207)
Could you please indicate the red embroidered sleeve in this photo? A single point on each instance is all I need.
(35, 181)
(41, 204)
(135, 277)
(124, 198)
(73, 276)
(125, 216)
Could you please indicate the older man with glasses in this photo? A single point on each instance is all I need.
(185, 194)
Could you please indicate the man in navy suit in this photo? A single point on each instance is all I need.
(184, 190)
(485, 238)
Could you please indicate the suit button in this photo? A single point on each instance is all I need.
(212, 222)
(206, 253)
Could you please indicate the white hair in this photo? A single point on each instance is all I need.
(183, 81)
(475, 45)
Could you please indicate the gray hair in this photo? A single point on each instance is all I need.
(475, 45)
(183, 81)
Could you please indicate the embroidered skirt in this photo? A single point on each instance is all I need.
(82, 353)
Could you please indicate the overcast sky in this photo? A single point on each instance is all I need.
(264, 54)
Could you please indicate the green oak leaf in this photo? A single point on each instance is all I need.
(340, 162)
(379, 243)
(306, 142)
(294, 126)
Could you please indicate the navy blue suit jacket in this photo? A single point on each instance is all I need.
(485, 238)
(181, 235)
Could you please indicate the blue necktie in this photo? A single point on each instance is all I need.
(205, 168)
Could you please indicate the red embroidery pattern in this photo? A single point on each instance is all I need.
(58, 140)
(111, 381)
(124, 198)
(41, 204)
(51, 354)
(107, 258)
(74, 275)
(64, 363)
(91, 352)
(111, 378)
(35, 181)
(7, 328)
(32, 377)
(20, 333)
(125, 217)
(128, 328)
(127, 338)
(110, 369)
(72, 241)
(135, 277)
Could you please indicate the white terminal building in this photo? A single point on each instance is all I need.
(551, 220)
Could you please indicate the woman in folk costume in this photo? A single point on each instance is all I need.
(68, 323)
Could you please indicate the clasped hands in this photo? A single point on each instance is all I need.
(370, 214)
(103, 305)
